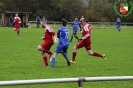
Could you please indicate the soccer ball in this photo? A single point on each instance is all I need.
(51, 60)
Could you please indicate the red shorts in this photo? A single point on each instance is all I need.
(46, 46)
(16, 26)
(84, 43)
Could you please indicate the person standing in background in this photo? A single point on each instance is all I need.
(118, 22)
(38, 20)
(11, 21)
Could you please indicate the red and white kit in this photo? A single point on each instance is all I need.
(17, 22)
(48, 40)
(86, 42)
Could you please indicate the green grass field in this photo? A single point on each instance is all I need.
(20, 59)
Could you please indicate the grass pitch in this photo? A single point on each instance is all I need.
(20, 59)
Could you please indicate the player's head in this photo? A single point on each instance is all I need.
(118, 18)
(64, 22)
(44, 22)
(76, 19)
(16, 15)
(82, 16)
(85, 21)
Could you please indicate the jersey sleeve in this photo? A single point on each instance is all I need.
(72, 23)
(19, 20)
(51, 31)
(58, 33)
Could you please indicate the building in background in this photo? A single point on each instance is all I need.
(5, 17)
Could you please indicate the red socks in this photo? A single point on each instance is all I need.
(45, 60)
(73, 56)
(97, 54)
(18, 31)
(49, 55)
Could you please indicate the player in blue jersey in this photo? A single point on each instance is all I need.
(76, 25)
(118, 24)
(63, 34)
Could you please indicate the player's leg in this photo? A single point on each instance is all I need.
(75, 48)
(74, 53)
(75, 34)
(53, 59)
(118, 27)
(48, 48)
(15, 28)
(40, 48)
(44, 58)
(88, 48)
(64, 53)
(96, 54)
(76, 37)
(71, 38)
(18, 31)
(49, 55)
(57, 50)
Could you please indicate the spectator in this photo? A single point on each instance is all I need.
(11, 21)
(43, 18)
(38, 20)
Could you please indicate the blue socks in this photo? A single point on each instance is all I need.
(66, 57)
(53, 62)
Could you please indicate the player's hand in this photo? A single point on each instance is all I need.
(42, 38)
(80, 39)
(55, 39)
(81, 32)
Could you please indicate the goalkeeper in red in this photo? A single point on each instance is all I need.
(48, 41)
(85, 41)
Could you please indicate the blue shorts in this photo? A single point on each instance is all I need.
(62, 48)
(75, 31)
(118, 26)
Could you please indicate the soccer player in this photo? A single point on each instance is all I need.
(118, 24)
(17, 22)
(85, 42)
(76, 25)
(82, 17)
(48, 41)
(62, 34)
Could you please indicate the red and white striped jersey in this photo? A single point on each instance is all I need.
(17, 20)
(49, 32)
(86, 32)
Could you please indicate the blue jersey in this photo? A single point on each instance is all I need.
(63, 45)
(118, 22)
(75, 25)
(63, 33)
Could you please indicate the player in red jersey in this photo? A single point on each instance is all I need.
(48, 41)
(17, 22)
(85, 41)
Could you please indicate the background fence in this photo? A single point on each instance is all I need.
(95, 25)
(63, 80)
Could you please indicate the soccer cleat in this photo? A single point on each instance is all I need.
(103, 56)
(49, 55)
(45, 65)
(68, 63)
(72, 62)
